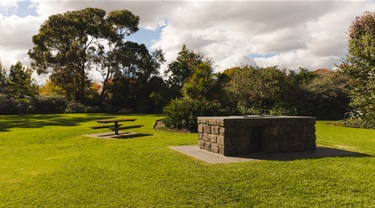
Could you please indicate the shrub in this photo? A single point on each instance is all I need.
(94, 109)
(75, 107)
(15, 105)
(356, 123)
(49, 104)
(183, 113)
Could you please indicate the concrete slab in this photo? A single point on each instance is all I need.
(212, 158)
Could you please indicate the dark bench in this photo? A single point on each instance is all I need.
(126, 127)
(106, 126)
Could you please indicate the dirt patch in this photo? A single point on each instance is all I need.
(159, 125)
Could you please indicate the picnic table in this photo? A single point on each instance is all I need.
(116, 126)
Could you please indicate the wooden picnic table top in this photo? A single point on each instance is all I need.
(115, 120)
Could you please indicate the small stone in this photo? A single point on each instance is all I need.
(215, 148)
(207, 129)
(212, 138)
(215, 130)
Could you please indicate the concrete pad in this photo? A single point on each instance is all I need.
(213, 158)
(121, 135)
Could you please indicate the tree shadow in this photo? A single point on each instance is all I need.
(43, 120)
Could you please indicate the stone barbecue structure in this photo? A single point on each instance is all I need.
(241, 135)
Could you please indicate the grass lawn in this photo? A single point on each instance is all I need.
(46, 161)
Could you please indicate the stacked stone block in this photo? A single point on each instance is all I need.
(237, 135)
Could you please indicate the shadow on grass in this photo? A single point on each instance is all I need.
(320, 152)
(121, 135)
(213, 158)
(42, 120)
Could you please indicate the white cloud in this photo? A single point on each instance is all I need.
(15, 38)
(303, 34)
(6, 4)
(308, 34)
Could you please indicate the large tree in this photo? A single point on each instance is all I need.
(181, 69)
(69, 45)
(359, 64)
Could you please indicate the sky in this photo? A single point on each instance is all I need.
(290, 34)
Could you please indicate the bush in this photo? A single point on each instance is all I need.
(94, 109)
(49, 104)
(183, 113)
(356, 123)
(326, 97)
(75, 107)
(15, 105)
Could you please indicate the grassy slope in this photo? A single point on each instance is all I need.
(46, 161)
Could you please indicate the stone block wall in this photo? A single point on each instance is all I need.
(241, 135)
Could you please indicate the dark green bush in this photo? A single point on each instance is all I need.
(94, 109)
(356, 123)
(15, 105)
(49, 104)
(75, 107)
(182, 113)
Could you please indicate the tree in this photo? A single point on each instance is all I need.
(303, 77)
(123, 58)
(200, 83)
(191, 75)
(18, 89)
(63, 45)
(325, 97)
(183, 68)
(257, 91)
(359, 64)
(70, 44)
(3, 78)
(50, 89)
(20, 82)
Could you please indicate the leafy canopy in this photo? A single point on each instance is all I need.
(359, 64)
(69, 45)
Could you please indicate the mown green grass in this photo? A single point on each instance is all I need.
(46, 161)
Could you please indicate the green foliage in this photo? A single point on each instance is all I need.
(73, 43)
(276, 92)
(17, 90)
(326, 97)
(194, 74)
(183, 68)
(182, 113)
(65, 44)
(49, 104)
(75, 107)
(201, 82)
(363, 123)
(359, 64)
(20, 83)
(3, 78)
(258, 90)
(303, 77)
(15, 105)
